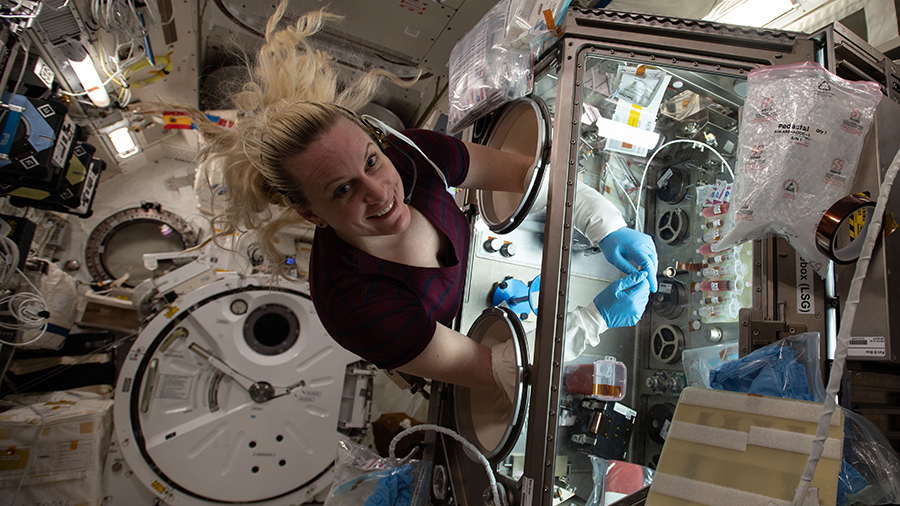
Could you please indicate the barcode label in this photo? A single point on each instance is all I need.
(866, 346)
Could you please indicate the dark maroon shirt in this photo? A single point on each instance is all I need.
(383, 311)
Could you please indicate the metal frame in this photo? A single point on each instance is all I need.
(691, 45)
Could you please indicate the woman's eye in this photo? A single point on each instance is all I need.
(341, 190)
(371, 161)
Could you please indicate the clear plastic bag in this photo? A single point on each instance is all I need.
(614, 479)
(526, 26)
(486, 73)
(870, 473)
(362, 478)
(698, 362)
(801, 137)
(787, 368)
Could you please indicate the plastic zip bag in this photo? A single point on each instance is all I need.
(614, 480)
(870, 473)
(801, 137)
(362, 478)
(787, 368)
(485, 73)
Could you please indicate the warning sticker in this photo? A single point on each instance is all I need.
(791, 188)
(172, 386)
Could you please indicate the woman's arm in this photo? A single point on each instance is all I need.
(454, 358)
(492, 169)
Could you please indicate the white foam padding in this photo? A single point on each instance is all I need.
(716, 495)
(792, 442)
(712, 436)
(766, 406)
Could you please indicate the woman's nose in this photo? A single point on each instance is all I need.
(376, 191)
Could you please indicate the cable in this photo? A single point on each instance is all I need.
(467, 445)
(639, 223)
(29, 309)
(9, 261)
(843, 338)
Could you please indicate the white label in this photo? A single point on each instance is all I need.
(64, 140)
(171, 386)
(867, 347)
(624, 410)
(527, 491)
(664, 433)
(665, 288)
(44, 72)
(820, 134)
(664, 178)
(806, 297)
(74, 454)
(714, 286)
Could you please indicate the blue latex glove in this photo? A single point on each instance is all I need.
(622, 303)
(393, 490)
(771, 370)
(626, 248)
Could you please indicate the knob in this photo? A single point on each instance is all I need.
(493, 245)
(508, 249)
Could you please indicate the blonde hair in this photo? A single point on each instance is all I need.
(295, 95)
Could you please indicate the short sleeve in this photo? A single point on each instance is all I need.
(448, 153)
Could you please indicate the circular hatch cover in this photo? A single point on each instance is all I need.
(483, 416)
(235, 398)
(523, 128)
(116, 246)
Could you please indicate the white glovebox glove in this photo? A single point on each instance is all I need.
(503, 364)
(595, 216)
(583, 328)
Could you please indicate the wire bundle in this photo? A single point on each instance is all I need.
(27, 309)
(129, 21)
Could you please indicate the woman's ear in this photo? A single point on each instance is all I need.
(312, 218)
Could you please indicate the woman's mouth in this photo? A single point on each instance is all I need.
(385, 210)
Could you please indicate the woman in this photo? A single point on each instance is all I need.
(388, 262)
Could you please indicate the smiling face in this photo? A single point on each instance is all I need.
(351, 185)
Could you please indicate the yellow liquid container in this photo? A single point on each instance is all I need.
(609, 379)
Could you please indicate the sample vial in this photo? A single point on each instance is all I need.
(722, 271)
(716, 210)
(720, 258)
(710, 236)
(716, 298)
(729, 310)
(713, 286)
(716, 223)
(707, 250)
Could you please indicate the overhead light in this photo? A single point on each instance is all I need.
(90, 80)
(119, 136)
(123, 142)
(756, 12)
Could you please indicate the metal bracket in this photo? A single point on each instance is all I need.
(756, 332)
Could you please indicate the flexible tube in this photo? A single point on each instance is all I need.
(468, 446)
(843, 338)
(640, 222)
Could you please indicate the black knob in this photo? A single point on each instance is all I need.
(508, 249)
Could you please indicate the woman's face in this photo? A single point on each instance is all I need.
(351, 186)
